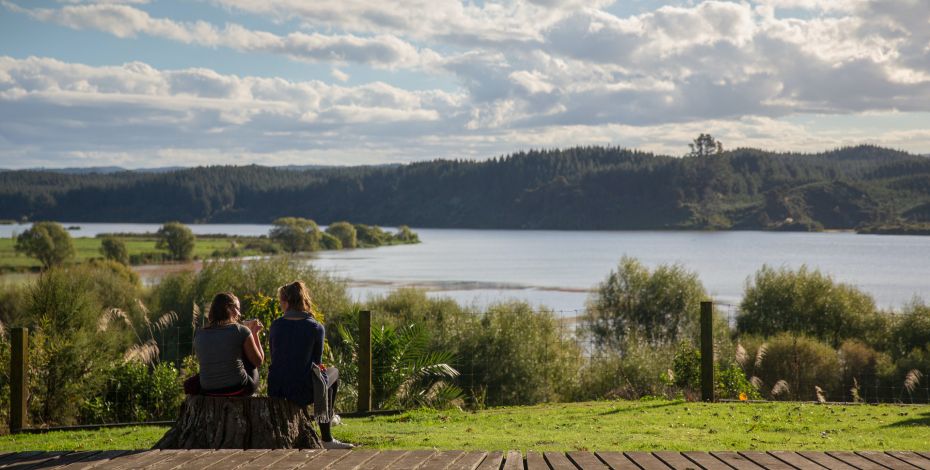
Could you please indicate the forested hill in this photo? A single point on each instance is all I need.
(576, 188)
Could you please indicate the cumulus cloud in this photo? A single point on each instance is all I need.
(124, 21)
(524, 73)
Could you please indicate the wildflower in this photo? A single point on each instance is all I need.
(742, 396)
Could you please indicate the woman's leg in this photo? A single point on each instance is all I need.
(332, 378)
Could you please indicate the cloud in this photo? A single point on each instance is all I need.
(123, 21)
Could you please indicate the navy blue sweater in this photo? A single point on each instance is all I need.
(295, 346)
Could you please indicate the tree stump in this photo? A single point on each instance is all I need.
(241, 423)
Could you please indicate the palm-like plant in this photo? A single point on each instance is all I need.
(406, 374)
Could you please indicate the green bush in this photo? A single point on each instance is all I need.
(296, 234)
(809, 303)
(114, 249)
(345, 232)
(640, 370)
(135, 392)
(803, 363)
(371, 236)
(657, 306)
(329, 242)
(405, 235)
(911, 329)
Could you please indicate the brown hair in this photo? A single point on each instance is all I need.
(219, 308)
(297, 297)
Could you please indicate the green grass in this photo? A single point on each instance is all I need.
(607, 425)
(87, 248)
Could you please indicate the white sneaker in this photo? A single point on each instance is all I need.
(337, 444)
(336, 421)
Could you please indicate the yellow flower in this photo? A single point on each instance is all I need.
(742, 396)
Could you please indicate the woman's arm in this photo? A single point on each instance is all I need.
(253, 349)
(316, 354)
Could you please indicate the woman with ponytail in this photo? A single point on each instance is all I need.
(297, 372)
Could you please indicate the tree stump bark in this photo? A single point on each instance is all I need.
(241, 423)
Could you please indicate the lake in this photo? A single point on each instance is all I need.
(558, 268)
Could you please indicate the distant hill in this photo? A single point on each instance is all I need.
(574, 188)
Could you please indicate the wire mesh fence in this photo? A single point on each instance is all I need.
(785, 371)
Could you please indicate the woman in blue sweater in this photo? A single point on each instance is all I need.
(296, 347)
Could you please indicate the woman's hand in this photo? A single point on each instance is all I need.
(254, 326)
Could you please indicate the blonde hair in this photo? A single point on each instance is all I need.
(297, 297)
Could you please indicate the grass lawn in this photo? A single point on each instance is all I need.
(606, 425)
(88, 248)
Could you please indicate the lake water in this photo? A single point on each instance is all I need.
(558, 268)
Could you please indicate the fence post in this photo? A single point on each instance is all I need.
(707, 351)
(19, 358)
(364, 360)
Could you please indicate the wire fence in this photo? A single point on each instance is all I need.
(782, 371)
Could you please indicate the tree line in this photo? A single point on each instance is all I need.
(865, 187)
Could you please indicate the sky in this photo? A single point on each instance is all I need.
(155, 83)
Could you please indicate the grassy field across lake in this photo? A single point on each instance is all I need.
(87, 248)
(604, 425)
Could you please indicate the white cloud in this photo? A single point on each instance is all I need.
(123, 21)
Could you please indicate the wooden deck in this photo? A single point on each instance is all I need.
(460, 460)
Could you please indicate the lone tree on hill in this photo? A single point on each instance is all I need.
(296, 234)
(177, 239)
(47, 241)
(705, 145)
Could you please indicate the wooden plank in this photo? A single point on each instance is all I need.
(676, 460)
(826, 460)
(617, 461)
(587, 460)
(706, 461)
(267, 460)
(24, 462)
(912, 458)
(209, 459)
(92, 461)
(178, 460)
(492, 461)
(514, 460)
(795, 460)
(353, 460)
(70, 458)
(140, 460)
(412, 459)
(297, 459)
(766, 461)
(856, 461)
(239, 458)
(736, 461)
(325, 459)
(13, 457)
(885, 460)
(559, 461)
(441, 460)
(469, 461)
(646, 461)
(536, 461)
(383, 460)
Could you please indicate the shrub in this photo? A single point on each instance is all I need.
(177, 239)
(658, 306)
(345, 232)
(911, 329)
(641, 370)
(296, 234)
(329, 242)
(405, 235)
(517, 355)
(135, 392)
(370, 236)
(49, 242)
(803, 363)
(114, 249)
(807, 302)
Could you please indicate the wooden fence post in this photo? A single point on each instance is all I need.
(19, 358)
(707, 351)
(364, 361)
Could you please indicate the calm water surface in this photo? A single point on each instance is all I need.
(558, 268)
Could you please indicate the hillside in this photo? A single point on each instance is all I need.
(577, 188)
